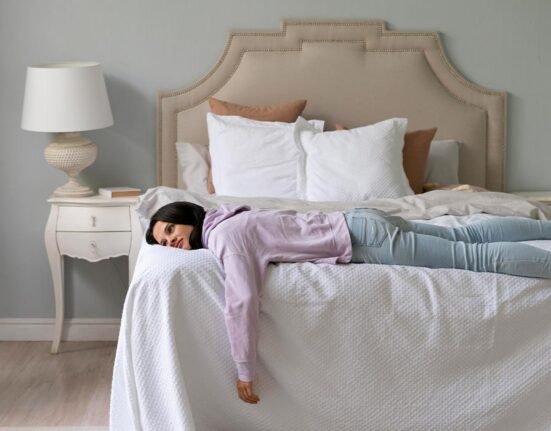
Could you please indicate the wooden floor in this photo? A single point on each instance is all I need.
(71, 388)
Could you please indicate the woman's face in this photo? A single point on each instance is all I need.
(172, 235)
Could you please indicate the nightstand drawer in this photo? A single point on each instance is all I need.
(94, 246)
(89, 219)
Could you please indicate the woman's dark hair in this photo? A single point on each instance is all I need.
(180, 213)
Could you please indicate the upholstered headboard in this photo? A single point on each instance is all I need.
(352, 72)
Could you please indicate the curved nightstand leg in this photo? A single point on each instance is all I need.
(56, 267)
(59, 289)
(135, 242)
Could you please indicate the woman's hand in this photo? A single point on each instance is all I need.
(246, 393)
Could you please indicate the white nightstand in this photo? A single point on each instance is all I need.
(92, 228)
(543, 197)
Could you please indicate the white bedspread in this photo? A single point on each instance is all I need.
(349, 347)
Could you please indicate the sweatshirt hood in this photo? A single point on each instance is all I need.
(215, 216)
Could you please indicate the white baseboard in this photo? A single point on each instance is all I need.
(53, 429)
(73, 329)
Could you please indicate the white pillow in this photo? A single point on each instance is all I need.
(357, 164)
(193, 166)
(443, 162)
(254, 158)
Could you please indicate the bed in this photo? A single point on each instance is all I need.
(341, 347)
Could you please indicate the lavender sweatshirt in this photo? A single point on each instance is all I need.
(246, 241)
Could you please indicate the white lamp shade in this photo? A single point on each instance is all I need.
(65, 97)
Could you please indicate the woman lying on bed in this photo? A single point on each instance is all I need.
(246, 240)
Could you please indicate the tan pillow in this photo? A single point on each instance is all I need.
(415, 154)
(284, 112)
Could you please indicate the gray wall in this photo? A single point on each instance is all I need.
(151, 45)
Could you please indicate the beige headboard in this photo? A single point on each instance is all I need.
(352, 72)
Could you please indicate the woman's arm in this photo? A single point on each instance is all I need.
(244, 275)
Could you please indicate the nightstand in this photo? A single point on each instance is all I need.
(543, 197)
(91, 228)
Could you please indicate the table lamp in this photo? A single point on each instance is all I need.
(67, 98)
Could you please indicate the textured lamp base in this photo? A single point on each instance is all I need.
(73, 189)
(71, 153)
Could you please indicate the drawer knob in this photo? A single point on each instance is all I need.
(93, 221)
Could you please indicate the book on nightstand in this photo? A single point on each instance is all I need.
(118, 192)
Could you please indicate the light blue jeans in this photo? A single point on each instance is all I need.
(486, 246)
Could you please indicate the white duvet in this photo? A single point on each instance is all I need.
(341, 347)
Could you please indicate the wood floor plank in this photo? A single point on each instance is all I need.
(70, 388)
